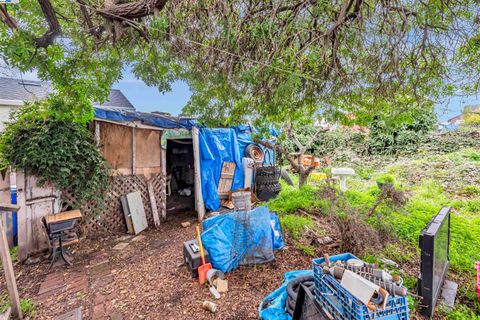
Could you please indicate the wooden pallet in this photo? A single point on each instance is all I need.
(226, 179)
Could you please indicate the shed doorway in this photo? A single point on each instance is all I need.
(180, 176)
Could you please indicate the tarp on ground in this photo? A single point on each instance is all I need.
(219, 145)
(273, 306)
(241, 238)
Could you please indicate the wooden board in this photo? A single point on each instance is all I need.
(137, 211)
(147, 154)
(116, 146)
(62, 216)
(226, 179)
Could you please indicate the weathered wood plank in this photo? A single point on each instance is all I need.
(9, 274)
(199, 204)
(153, 203)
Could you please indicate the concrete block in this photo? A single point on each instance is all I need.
(221, 285)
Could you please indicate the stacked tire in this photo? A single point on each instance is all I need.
(267, 182)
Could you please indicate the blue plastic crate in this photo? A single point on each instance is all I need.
(341, 304)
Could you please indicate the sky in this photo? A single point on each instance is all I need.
(149, 99)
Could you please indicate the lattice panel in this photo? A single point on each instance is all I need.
(100, 220)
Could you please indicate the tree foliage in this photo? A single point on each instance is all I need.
(252, 60)
(46, 140)
(400, 137)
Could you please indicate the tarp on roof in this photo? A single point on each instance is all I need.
(219, 145)
(151, 119)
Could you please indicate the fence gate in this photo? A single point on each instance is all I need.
(36, 202)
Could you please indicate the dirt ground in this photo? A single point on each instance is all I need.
(147, 280)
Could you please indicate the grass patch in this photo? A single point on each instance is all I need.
(26, 305)
(295, 225)
(292, 199)
(306, 249)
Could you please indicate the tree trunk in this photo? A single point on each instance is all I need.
(302, 177)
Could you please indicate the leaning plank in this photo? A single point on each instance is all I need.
(153, 203)
(9, 274)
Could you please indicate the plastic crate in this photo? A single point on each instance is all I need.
(341, 304)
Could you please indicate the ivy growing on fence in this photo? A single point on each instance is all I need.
(46, 140)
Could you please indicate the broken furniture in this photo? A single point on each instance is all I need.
(134, 212)
(344, 299)
(192, 257)
(60, 234)
(434, 244)
(342, 174)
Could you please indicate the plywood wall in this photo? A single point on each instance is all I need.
(116, 146)
(147, 159)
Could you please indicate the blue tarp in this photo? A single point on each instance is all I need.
(273, 306)
(240, 238)
(218, 145)
(151, 119)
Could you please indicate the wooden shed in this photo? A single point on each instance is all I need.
(137, 162)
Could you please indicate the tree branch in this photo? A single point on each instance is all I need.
(132, 10)
(54, 26)
(280, 149)
(6, 18)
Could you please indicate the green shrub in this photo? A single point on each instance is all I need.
(295, 224)
(385, 178)
(56, 148)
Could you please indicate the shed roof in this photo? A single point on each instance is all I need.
(28, 90)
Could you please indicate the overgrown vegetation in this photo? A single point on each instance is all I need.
(392, 217)
(26, 305)
(48, 139)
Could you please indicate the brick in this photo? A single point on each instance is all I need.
(99, 311)
(120, 246)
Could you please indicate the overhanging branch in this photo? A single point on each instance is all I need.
(6, 18)
(54, 29)
(132, 10)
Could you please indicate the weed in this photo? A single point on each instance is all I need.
(28, 307)
(462, 312)
(401, 253)
(4, 302)
(306, 249)
(385, 178)
(14, 254)
(295, 225)
(471, 190)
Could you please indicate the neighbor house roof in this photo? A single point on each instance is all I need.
(17, 91)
